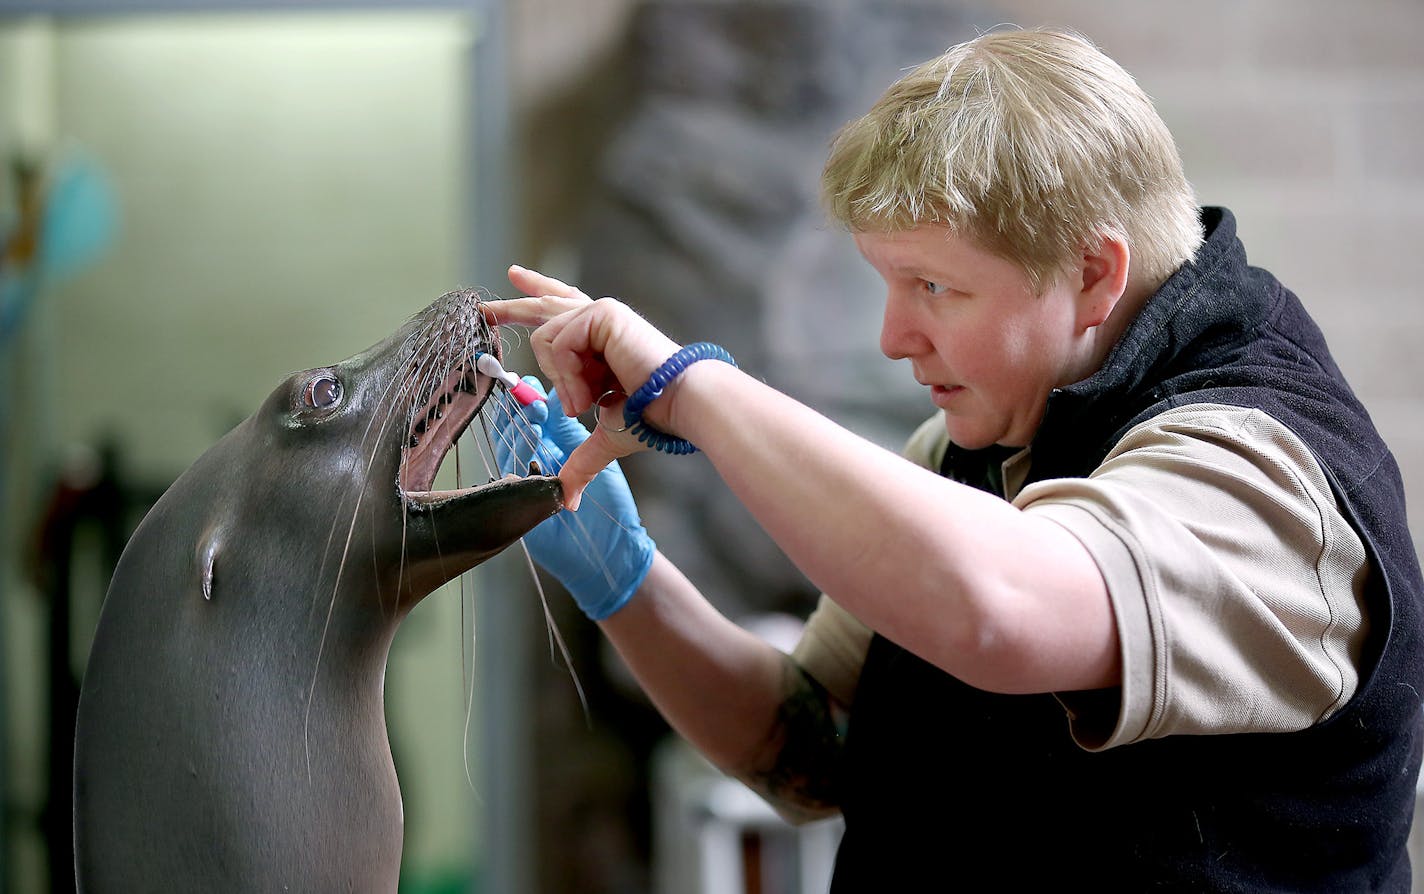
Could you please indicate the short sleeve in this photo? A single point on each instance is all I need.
(833, 646)
(832, 649)
(1234, 577)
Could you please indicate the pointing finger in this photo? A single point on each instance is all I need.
(532, 282)
(529, 311)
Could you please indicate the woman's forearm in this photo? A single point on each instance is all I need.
(745, 705)
(967, 581)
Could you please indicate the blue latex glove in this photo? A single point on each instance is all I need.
(601, 553)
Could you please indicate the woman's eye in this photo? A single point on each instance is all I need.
(322, 391)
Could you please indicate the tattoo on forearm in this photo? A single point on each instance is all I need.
(804, 777)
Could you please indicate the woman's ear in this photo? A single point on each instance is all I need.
(1105, 277)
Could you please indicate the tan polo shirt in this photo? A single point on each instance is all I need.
(1236, 582)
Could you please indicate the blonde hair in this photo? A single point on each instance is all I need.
(1033, 143)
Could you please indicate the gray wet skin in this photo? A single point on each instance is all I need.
(231, 733)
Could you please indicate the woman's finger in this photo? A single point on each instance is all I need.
(534, 311)
(532, 282)
(591, 457)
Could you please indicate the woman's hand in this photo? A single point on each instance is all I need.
(587, 349)
(600, 556)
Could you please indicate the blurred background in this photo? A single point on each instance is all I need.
(199, 196)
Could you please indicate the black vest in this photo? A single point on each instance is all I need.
(949, 788)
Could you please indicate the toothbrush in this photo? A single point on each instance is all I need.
(518, 388)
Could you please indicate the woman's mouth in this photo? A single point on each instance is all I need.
(943, 394)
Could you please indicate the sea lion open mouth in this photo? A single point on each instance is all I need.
(440, 417)
(437, 423)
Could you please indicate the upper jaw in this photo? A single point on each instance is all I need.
(436, 424)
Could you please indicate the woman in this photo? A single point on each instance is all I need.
(1138, 605)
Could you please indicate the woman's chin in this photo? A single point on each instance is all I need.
(966, 437)
(976, 434)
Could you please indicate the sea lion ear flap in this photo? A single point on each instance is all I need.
(208, 549)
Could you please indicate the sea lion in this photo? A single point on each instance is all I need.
(231, 733)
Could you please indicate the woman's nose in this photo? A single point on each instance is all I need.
(900, 336)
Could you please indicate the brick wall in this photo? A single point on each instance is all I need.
(1305, 117)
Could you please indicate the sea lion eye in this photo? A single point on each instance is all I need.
(322, 391)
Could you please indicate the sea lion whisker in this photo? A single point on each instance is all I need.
(467, 666)
(556, 639)
(365, 439)
(326, 628)
(439, 382)
(540, 452)
(341, 566)
(411, 343)
(408, 391)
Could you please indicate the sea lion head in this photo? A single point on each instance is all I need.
(340, 461)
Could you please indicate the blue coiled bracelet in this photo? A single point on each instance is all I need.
(652, 389)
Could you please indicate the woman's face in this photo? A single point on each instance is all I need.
(988, 348)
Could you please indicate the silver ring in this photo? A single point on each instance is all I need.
(598, 416)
